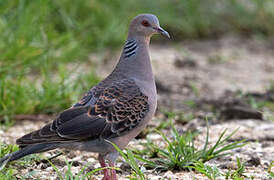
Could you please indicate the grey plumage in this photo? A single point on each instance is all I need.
(117, 109)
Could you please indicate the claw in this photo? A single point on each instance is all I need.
(103, 165)
(107, 176)
(113, 171)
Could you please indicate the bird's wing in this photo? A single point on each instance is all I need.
(90, 97)
(118, 109)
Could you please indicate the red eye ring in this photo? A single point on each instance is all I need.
(145, 23)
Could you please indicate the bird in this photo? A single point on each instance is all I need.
(116, 110)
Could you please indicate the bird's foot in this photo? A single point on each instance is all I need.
(103, 165)
(110, 177)
(109, 174)
(113, 174)
(106, 176)
(112, 171)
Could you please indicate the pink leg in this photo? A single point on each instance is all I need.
(113, 171)
(103, 165)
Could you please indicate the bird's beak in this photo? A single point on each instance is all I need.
(162, 32)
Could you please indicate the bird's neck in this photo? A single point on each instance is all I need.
(135, 60)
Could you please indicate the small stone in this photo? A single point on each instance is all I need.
(75, 163)
(239, 112)
(125, 166)
(50, 168)
(254, 161)
(44, 165)
(170, 175)
(228, 165)
(266, 144)
(184, 63)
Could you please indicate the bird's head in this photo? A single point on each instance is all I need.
(146, 25)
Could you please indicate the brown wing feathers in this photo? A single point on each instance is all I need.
(117, 109)
(123, 106)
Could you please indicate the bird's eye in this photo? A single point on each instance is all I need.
(145, 23)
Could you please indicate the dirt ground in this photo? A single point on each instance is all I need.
(196, 71)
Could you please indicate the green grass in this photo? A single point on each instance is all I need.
(180, 152)
(212, 172)
(44, 94)
(237, 174)
(129, 157)
(261, 104)
(81, 175)
(9, 171)
(7, 174)
(270, 171)
(5, 149)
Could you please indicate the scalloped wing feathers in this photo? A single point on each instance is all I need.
(116, 110)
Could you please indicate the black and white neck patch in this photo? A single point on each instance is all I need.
(130, 48)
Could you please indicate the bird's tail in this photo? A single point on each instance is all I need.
(31, 149)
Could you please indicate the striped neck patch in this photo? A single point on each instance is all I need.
(130, 48)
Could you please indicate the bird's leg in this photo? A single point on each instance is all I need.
(103, 165)
(113, 171)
